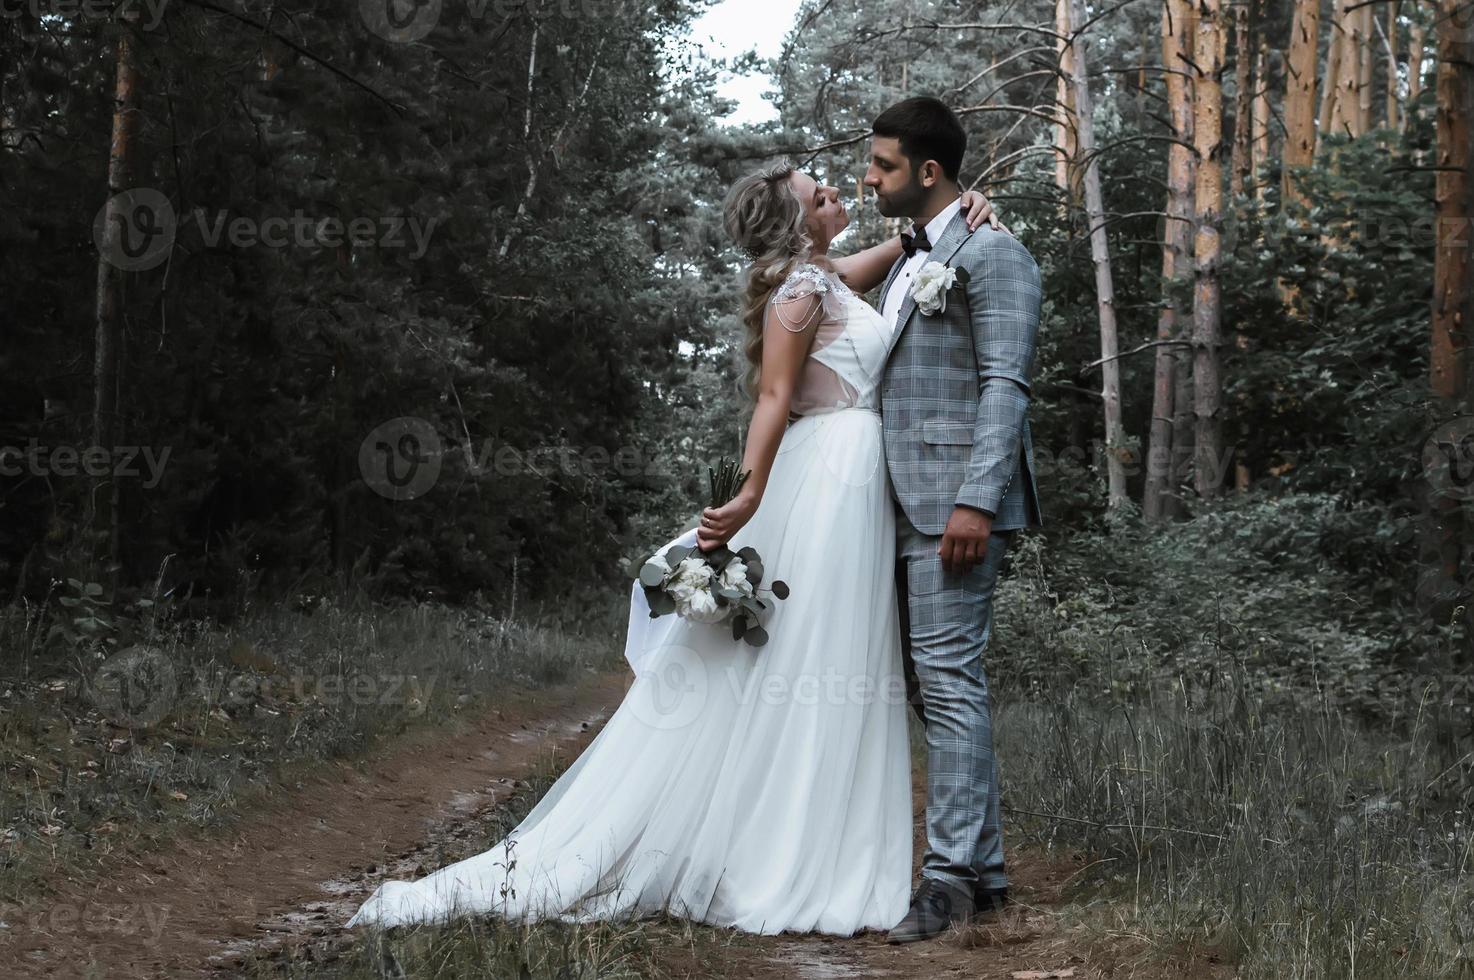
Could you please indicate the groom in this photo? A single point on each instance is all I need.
(954, 404)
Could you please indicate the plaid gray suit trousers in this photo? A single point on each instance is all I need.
(946, 620)
(954, 401)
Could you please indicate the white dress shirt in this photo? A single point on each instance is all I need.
(890, 306)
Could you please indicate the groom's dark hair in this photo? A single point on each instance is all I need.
(926, 130)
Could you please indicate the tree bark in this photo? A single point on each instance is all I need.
(1101, 257)
(1300, 76)
(1208, 140)
(1157, 501)
(1417, 38)
(1394, 116)
(1444, 542)
(1331, 97)
(1066, 173)
(1366, 25)
(1241, 174)
(1259, 144)
(106, 389)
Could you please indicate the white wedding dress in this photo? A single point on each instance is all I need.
(764, 788)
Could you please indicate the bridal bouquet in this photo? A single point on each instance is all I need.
(711, 586)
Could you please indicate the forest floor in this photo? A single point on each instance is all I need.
(270, 893)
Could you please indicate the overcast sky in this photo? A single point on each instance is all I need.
(734, 26)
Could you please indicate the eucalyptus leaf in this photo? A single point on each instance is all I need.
(780, 589)
(757, 636)
(651, 576)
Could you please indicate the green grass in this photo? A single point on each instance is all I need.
(246, 703)
(1300, 809)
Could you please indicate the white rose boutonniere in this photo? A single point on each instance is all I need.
(930, 287)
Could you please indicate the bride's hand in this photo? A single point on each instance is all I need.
(718, 524)
(977, 209)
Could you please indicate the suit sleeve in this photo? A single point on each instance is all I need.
(1003, 296)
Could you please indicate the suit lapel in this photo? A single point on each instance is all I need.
(891, 277)
(946, 247)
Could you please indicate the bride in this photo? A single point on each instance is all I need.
(766, 789)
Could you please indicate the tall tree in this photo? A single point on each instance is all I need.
(1100, 255)
(1172, 362)
(1446, 543)
(1066, 132)
(1208, 44)
(1259, 113)
(123, 152)
(1300, 76)
(1246, 36)
(1390, 39)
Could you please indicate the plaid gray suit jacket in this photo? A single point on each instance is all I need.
(955, 391)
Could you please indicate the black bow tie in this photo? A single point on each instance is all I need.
(911, 244)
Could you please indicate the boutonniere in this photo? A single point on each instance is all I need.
(931, 284)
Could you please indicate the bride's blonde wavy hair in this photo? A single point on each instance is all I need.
(765, 218)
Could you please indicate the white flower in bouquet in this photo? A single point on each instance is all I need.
(702, 607)
(692, 575)
(734, 576)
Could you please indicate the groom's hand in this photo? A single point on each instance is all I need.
(965, 541)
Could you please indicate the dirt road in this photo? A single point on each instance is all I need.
(296, 865)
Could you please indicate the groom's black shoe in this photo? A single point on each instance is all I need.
(935, 907)
(988, 903)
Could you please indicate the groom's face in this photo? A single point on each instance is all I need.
(899, 190)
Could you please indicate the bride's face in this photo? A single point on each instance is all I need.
(824, 215)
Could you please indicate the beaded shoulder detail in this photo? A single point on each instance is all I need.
(803, 281)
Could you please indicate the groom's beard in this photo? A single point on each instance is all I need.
(906, 203)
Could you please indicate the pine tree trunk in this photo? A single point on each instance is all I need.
(1300, 76)
(1100, 255)
(1444, 542)
(1417, 38)
(1162, 451)
(1241, 174)
(1260, 112)
(106, 390)
(1331, 99)
(1394, 117)
(1208, 139)
(1365, 60)
(1066, 173)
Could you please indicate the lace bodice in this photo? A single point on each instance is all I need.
(849, 348)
